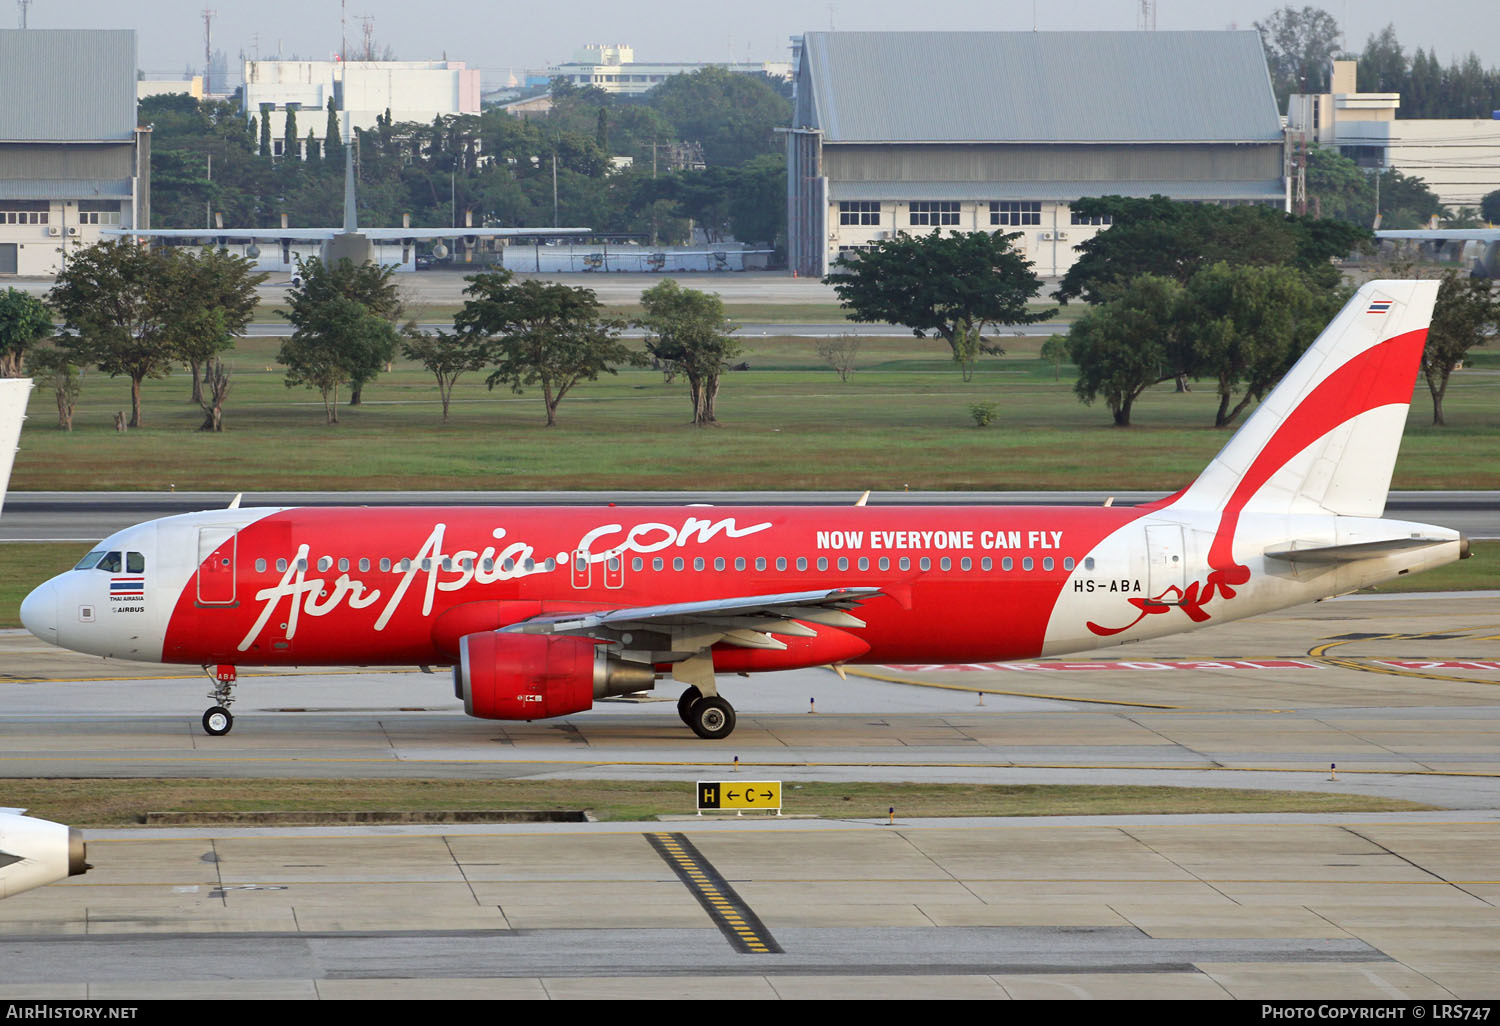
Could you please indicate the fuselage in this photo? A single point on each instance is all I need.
(401, 585)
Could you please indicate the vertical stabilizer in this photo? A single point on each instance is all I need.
(13, 395)
(351, 218)
(1325, 439)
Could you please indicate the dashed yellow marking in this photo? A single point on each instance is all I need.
(734, 919)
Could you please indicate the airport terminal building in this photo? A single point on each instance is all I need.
(72, 159)
(917, 131)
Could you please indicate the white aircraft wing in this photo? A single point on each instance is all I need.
(744, 620)
(1442, 234)
(324, 234)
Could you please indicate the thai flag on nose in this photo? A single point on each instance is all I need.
(1379, 306)
(127, 587)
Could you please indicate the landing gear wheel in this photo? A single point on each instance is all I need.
(711, 718)
(217, 721)
(685, 703)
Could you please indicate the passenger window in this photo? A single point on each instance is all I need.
(385, 564)
(580, 563)
(1007, 564)
(885, 562)
(260, 566)
(739, 562)
(760, 562)
(986, 563)
(508, 565)
(697, 562)
(966, 563)
(1068, 563)
(550, 565)
(905, 563)
(302, 565)
(657, 563)
(405, 565)
(135, 563)
(801, 562)
(781, 562)
(343, 564)
(1027, 563)
(843, 563)
(1088, 562)
(864, 563)
(364, 564)
(281, 566)
(1047, 563)
(677, 563)
(612, 563)
(637, 563)
(718, 562)
(324, 562)
(426, 566)
(822, 562)
(945, 563)
(925, 564)
(110, 563)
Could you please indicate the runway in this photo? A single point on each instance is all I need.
(1400, 693)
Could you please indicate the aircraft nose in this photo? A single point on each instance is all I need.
(39, 612)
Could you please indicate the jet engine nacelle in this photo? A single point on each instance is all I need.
(502, 676)
(34, 852)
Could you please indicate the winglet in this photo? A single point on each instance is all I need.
(234, 503)
(864, 498)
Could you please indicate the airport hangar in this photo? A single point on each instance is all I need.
(1002, 131)
(73, 160)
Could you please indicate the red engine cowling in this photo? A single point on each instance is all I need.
(524, 676)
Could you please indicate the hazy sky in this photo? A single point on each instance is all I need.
(499, 36)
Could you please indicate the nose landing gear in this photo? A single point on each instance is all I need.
(217, 721)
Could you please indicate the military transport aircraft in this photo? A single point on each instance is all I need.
(32, 851)
(543, 610)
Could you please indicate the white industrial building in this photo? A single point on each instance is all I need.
(409, 90)
(921, 131)
(1458, 158)
(72, 159)
(614, 69)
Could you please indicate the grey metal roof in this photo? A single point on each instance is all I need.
(1053, 191)
(1039, 87)
(58, 85)
(64, 188)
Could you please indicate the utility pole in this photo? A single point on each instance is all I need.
(23, 5)
(208, 45)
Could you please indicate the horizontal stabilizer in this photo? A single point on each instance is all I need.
(1356, 551)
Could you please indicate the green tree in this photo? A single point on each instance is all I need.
(447, 356)
(289, 140)
(1250, 324)
(116, 297)
(333, 139)
(1055, 352)
(1173, 239)
(1466, 315)
(1489, 207)
(544, 334)
(734, 116)
(211, 295)
(687, 329)
(24, 319)
(1125, 345)
(54, 366)
(1299, 46)
(343, 316)
(951, 285)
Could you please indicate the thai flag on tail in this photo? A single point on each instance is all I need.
(127, 587)
(1379, 306)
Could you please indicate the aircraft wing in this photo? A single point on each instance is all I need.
(744, 620)
(1442, 234)
(324, 234)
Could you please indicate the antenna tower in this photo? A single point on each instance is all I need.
(23, 5)
(367, 25)
(1145, 19)
(208, 48)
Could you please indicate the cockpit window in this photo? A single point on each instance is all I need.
(110, 563)
(87, 562)
(135, 563)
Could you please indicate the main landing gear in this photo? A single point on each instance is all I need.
(218, 721)
(712, 718)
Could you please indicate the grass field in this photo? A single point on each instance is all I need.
(902, 421)
(105, 802)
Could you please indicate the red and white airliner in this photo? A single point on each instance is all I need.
(543, 610)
